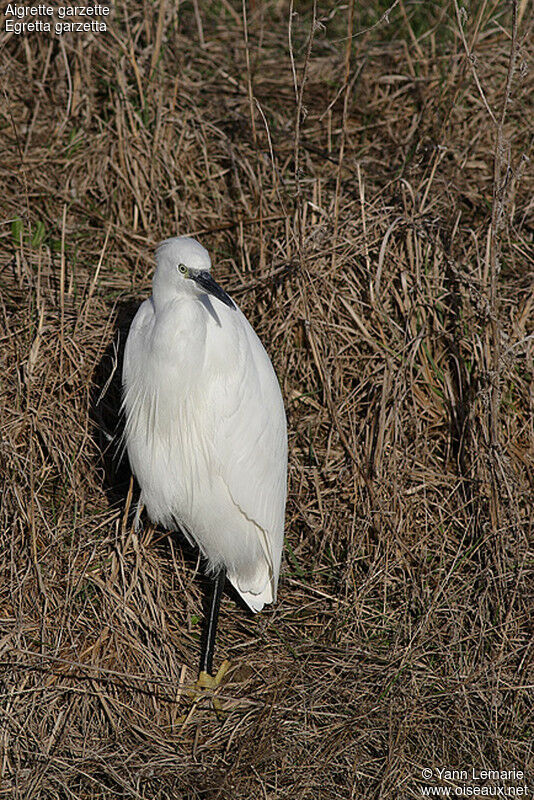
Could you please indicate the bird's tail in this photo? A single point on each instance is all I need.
(256, 601)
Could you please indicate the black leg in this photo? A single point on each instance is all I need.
(206, 658)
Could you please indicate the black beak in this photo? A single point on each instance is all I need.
(210, 286)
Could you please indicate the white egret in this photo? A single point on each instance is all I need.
(206, 429)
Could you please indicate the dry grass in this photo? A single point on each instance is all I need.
(347, 195)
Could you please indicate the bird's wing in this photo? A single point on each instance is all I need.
(250, 441)
(134, 350)
(134, 368)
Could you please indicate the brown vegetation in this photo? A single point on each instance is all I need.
(367, 202)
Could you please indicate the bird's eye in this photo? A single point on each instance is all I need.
(182, 268)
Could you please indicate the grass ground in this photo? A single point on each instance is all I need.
(362, 182)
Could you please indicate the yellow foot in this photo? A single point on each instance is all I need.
(207, 681)
(206, 686)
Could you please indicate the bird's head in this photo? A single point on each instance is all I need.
(183, 267)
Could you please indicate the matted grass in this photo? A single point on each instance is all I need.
(375, 224)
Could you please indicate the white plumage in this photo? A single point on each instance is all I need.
(205, 423)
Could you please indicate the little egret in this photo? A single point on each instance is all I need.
(205, 429)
